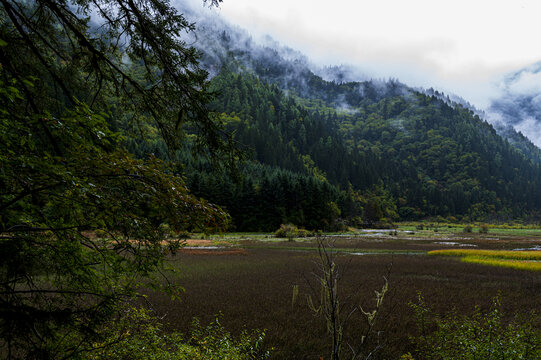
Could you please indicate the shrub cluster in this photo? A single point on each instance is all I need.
(291, 231)
(138, 335)
(482, 335)
(483, 229)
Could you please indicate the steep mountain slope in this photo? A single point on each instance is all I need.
(503, 124)
(432, 159)
(394, 152)
(225, 45)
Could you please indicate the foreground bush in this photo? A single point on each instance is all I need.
(138, 336)
(479, 336)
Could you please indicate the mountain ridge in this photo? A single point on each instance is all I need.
(519, 105)
(224, 44)
(382, 150)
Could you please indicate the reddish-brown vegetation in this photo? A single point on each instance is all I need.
(255, 290)
(213, 252)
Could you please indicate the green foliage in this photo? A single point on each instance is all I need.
(401, 156)
(65, 92)
(136, 65)
(467, 229)
(483, 229)
(477, 336)
(266, 197)
(432, 158)
(57, 279)
(213, 342)
(291, 231)
(138, 335)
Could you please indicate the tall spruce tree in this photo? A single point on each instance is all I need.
(81, 221)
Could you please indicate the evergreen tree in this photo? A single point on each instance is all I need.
(82, 222)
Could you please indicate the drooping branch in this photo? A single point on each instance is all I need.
(14, 17)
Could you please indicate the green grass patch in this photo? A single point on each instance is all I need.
(535, 232)
(493, 229)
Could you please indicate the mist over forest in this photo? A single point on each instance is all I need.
(379, 149)
(513, 105)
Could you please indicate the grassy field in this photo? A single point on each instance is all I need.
(493, 254)
(513, 264)
(249, 279)
(502, 230)
(520, 260)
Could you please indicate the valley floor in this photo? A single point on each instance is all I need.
(249, 280)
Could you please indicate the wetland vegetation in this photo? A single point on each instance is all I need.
(249, 279)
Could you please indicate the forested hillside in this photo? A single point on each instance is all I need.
(327, 153)
(398, 154)
(430, 158)
(504, 127)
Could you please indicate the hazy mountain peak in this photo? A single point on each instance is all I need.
(520, 103)
(225, 44)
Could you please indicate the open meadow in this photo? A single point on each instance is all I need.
(250, 280)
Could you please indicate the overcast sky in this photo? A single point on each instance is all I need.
(460, 46)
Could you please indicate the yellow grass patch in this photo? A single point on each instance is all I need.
(523, 260)
(499, 254)
(514, 264)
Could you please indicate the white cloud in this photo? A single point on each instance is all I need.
(460, 46)
(525, 83)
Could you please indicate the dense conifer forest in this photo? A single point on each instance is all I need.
(374, 151)
(390, 153)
